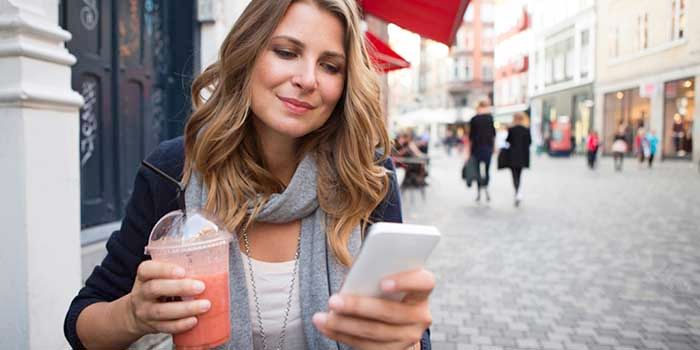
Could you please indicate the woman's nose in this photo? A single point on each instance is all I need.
(305, 78)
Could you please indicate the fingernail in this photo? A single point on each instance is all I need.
(336, 302)
(388, 285)
(179, 272)
(204, 304)
(320, 318)
(198, 286)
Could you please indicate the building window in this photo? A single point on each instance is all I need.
(614, 41)
(569, 53)
(469, 14)
(549, 66)
(679, 18)
(455, 70)
(486, 13)
(487, 39)
(560, 61)
(642, 32)
(469, 40)
(486, 72)
(461, 38)
(585, 52)
(679, 106)
(468, 69)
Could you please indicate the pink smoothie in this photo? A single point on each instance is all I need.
(214, 326)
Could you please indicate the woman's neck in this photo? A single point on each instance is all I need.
(279, 153)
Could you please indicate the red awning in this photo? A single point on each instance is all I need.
(433, 19)
(383, 57)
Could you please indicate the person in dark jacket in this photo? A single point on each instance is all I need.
(273, 151)
(481, 138)
(519, 141)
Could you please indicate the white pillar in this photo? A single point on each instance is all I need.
(39, 176)
(656, 118)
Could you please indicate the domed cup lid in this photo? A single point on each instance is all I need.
(176, 232)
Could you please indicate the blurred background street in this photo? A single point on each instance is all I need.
(590, 260)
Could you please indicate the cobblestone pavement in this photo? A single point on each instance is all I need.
(591, 260)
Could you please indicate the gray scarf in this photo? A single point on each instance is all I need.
(317, 265)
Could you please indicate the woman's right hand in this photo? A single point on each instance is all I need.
(147, 310)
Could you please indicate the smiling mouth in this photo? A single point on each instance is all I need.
(295, 106)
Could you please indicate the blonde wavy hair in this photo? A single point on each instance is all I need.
(222, 146)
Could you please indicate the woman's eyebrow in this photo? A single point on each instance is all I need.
(297, 42)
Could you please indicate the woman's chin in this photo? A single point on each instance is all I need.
(294, 132)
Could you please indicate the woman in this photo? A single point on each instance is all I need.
(640, 145)
(619, 148)
(519, 141)
(651, 144)
(482, 134)
(292, 118)
(592, 144)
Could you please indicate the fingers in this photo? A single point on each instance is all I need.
(362, 335)
(175, 327)
(364, 328)
(151, 269)
(418, 284)
(379, 309)
(176, 310)
(153, 289)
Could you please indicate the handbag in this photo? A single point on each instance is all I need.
(503, 158)
(470, 171)
(619, 146)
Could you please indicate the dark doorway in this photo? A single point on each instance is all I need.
(136, 90)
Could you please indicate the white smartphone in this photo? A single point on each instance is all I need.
(389, 248)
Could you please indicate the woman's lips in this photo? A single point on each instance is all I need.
(295, 106)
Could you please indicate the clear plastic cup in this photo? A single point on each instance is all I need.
(198, 243)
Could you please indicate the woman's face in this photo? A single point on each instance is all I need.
(298, 79)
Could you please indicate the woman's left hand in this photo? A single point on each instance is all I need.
(372, 323)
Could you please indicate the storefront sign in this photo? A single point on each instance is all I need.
(647, 90)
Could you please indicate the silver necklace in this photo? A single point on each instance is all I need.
(283, 333)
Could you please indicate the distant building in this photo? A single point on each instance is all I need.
(471, 70)
(511, 57)
(648, 72)
(562, 71)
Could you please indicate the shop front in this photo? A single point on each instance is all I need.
(567, 116)
(679, 108)
(634, 110)
(627, 112)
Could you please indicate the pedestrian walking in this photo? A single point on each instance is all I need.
(282, 150)
(619, 148)
(481, 138)
(519, 141)
(640, 145)
(652, 142)
(592, 145)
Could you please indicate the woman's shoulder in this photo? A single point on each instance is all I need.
(169, 156)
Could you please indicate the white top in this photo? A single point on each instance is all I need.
(272, 282)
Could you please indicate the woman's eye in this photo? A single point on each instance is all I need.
(330, 68)
(285, 54)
